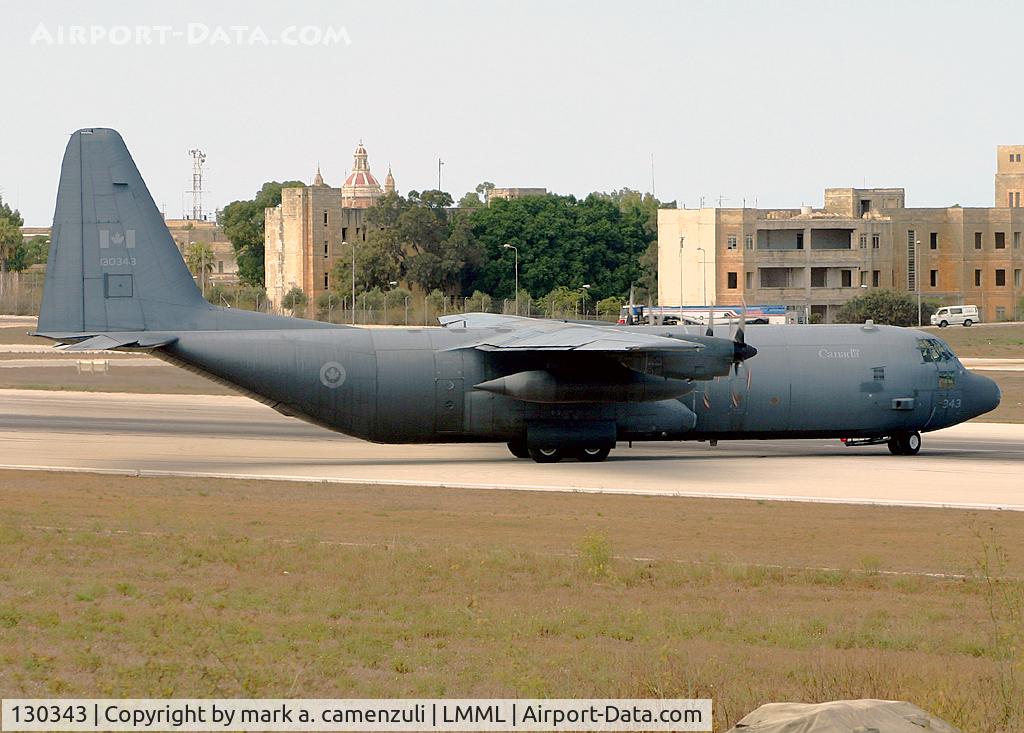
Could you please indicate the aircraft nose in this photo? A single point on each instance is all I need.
(983, 394)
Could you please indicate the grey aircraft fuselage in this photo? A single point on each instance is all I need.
(116, 280)
(416, 386)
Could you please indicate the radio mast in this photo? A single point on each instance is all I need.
(198, 158)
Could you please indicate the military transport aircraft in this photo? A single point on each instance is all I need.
(549, 389)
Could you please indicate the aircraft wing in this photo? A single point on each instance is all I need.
(516, 333)
(483, 320)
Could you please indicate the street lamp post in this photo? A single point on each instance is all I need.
(917, 277)
(516, 250)
(585, 289)
(704, 275)
(407, 310)
(682, 243)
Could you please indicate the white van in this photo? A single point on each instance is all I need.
(951, 315)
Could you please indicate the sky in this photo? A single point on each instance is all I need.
(763, 103)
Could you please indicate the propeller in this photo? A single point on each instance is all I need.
(711, 323)
(741, 349)
(741, 352)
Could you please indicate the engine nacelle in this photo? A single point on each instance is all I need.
(539, 385)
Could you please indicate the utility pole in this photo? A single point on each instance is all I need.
(917, 277)
(439, 164)
(704, 273)
(353, 282)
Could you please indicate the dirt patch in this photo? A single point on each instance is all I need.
(162, 379)
(19, 335)
(1011, 407)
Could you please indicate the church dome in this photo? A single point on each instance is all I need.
(360, 189)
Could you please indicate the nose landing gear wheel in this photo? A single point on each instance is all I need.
(905, 444)
(592, 455)
(547, 455)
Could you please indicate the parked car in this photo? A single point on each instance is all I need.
(952, 315)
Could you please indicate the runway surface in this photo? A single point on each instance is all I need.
(977, 465)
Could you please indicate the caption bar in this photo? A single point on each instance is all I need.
(355, 715)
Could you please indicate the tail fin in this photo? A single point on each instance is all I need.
(113, 265)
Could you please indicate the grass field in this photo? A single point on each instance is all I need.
(990, 340)
(117, 586)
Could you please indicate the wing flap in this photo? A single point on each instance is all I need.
(579, 338)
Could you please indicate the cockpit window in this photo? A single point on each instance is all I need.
(935, 350)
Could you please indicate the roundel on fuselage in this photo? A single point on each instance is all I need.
(332, 375)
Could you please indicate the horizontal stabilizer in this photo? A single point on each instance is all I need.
(105, 341)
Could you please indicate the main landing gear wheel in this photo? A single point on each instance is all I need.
(905, 444)
(547, 455)
(518, 448)
(592, 455)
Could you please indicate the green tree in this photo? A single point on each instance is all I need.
(327, 304)
(561, 302)
(294, 300)
(880, 306)
(199, 257)
(471, 200)
(608, 308)
(243, 224)
(479, 303)
(647, 283)
(218, 295)
(441, 252)
(562, 241)
(483, 190)
(10, 234)
(30, 252)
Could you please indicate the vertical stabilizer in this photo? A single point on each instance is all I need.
(113, 265)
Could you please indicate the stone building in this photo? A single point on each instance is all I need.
(315, 225)
(814, 260)
(223, 265)
(514, 193)
(1009, 175)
